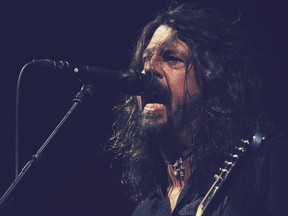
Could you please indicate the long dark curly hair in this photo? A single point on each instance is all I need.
(229, 107)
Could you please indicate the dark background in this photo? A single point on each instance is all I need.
(73, 177)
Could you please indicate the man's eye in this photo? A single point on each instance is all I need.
(145, 59)
(172, 58)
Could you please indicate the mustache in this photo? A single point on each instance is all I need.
(157, 93)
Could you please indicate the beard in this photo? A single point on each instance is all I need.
(156, 116)
(156, 124)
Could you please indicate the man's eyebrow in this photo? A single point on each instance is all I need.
(172, 52)
(149, 51)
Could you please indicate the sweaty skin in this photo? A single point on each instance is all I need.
(168, 57)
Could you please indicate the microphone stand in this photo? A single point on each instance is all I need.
(81, 97)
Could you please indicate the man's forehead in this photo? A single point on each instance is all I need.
(162, 33)
(163, 39)
(162, 36)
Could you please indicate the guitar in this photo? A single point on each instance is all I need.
(250, 145)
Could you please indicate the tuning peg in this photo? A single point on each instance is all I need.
(228, 162)
(245, 141)
(234, 156)
(241, 149)
(223, 170)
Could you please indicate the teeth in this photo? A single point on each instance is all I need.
(153, 105)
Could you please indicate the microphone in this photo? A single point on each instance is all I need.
(128, 81)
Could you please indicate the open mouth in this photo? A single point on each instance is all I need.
(155, 100)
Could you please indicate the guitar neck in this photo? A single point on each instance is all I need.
(250, 145)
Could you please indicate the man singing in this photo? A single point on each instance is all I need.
(203, 100)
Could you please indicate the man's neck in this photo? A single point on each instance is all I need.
(177, 182)
(176, 151)
(173, 146)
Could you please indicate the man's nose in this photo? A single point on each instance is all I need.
(153, 67)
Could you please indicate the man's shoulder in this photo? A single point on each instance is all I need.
(263, 180)
(147, 205)
(273, 149)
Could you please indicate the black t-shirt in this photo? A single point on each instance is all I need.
(258, 188)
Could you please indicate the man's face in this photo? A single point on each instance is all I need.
(175, 85)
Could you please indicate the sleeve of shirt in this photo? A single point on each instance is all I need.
(273, 181)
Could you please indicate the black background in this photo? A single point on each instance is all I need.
(73, 177)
